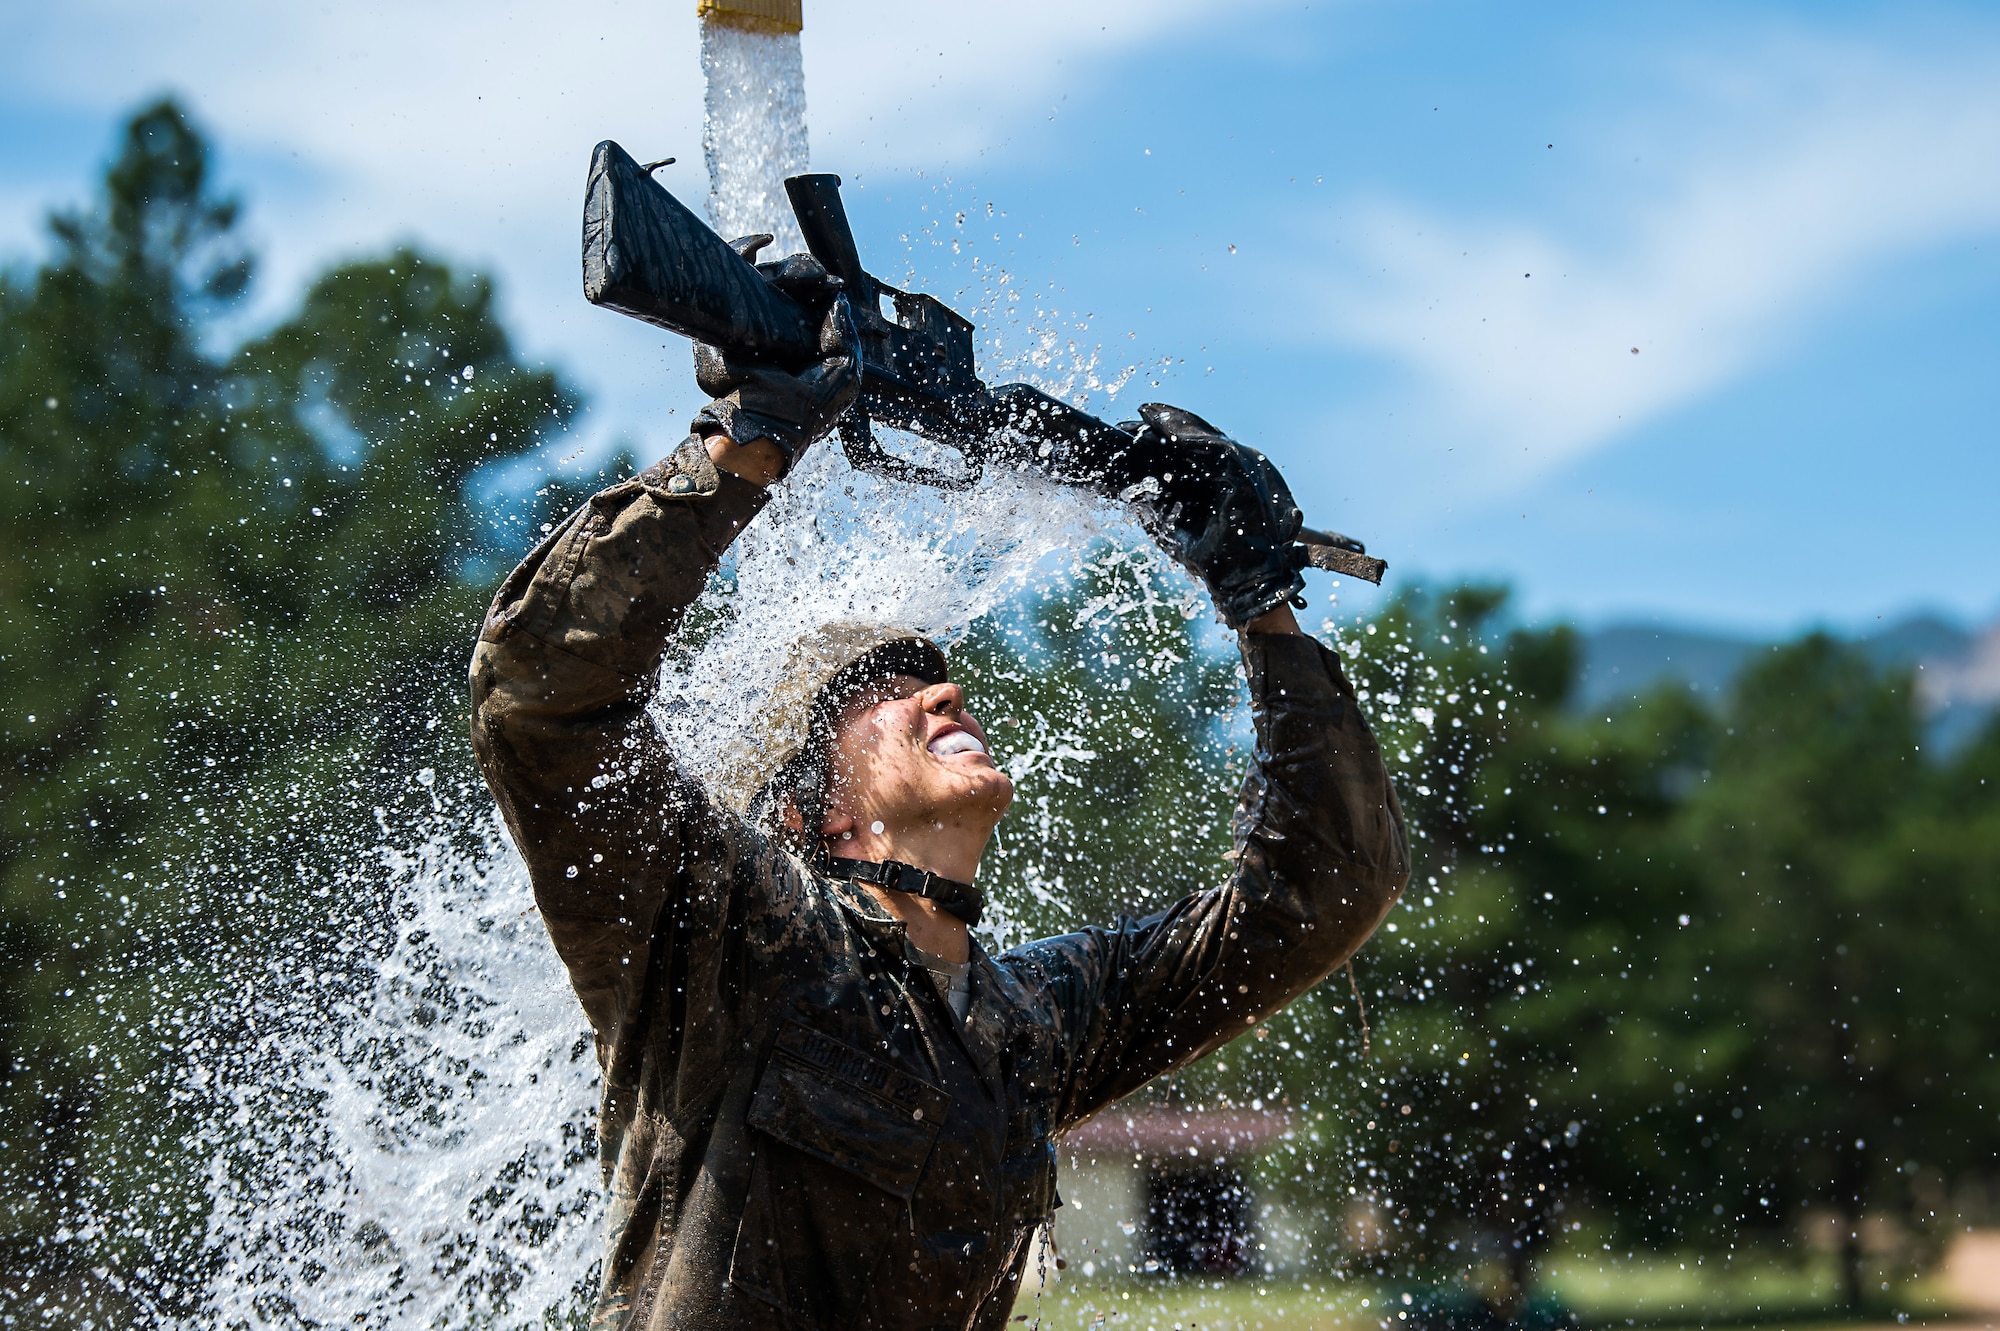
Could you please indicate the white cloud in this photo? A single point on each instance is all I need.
(1820, 165)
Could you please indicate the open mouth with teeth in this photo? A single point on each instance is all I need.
(954, 742)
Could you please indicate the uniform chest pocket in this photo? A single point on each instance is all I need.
(848, 1108)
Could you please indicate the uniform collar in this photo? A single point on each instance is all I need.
(881, 928)
(984, 1031)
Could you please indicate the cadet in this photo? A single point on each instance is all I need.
(824, 1105)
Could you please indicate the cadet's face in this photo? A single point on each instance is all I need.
(908, 753)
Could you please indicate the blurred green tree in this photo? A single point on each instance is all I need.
(1743, 942)
(1613, 989)
(234, 606)
(1844, 917)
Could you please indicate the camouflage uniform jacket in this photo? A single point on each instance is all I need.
(796, 1131)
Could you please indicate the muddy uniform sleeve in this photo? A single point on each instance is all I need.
(1321, 856)
(565, 663)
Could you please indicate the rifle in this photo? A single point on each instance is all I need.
(646, 255)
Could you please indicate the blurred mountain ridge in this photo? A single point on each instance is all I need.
(1956, 668)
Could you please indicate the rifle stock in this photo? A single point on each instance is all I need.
(646, 255)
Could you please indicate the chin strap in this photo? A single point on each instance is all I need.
(960, 899)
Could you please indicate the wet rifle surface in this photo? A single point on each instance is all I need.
(645, 254)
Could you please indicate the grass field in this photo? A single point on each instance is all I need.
(1646, 1290)
(1185, 1305)
(1657, 1289)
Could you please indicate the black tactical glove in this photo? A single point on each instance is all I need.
(755, 399)
(1218, 507)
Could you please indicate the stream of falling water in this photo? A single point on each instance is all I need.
(754, 129)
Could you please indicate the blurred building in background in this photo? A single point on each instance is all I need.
(1162, 1190)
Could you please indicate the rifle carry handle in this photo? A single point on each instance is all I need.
(829, 236)
(823, 222)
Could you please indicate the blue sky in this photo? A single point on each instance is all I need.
(1451, 223)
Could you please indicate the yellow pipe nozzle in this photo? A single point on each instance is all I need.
(754, 15)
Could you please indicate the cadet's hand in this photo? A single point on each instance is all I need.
(757, 402)
(1219, 508)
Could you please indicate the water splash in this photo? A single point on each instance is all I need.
(836, 544)
(754, 129)
(418, 1149)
